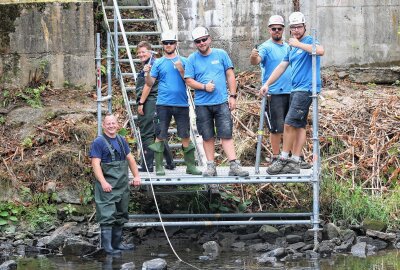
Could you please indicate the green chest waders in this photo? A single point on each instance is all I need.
(112, 207)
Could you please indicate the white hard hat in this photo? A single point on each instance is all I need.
(296, 18)
(199, 32)
(276, 19)
(168, 35)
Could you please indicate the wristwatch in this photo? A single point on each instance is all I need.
(233, 96)
(140, 104)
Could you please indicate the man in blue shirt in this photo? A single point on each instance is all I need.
(269, 55)
(172, 100)
(111, 159)
(300, 60)
(208, 71)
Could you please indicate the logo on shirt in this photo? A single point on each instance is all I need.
(215, 62)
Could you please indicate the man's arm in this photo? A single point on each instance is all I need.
(143, 97)
(278, 71)
(306, 47)
(134, 169)
(231, 80)
(209, 87)
(98, 173)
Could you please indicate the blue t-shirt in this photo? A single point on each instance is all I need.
(100, 150)
(204, 69)
(271, 55)
(301, 63)
(171, 86)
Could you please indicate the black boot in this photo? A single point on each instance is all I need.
(117, 239)
(149, 158)
(169, 159)
(106, 236)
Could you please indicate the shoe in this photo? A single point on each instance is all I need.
(304, 164)
(106, 238)
(117, 240)
(211, 170)
(291, 167)
(148, 157)
(236, 170)
(277, 165)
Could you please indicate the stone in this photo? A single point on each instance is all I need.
(76, 246)
(264, 258)
(311, 255)
(155, 264)
(128, 266)
(211, 248)
(57, 238)
(375, 225)
(69, 195)
(344, 247)
(359, 250)
(50, 187)
(8, 265)
(262, 247)
(326, 248)
(381, 235)
(331, 231)
(297, 246)
(293, 238)
(238, 246)
(347, 235)
(342, 74)
(278, 252)
(379, 244)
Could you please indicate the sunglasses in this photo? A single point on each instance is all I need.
(198, 41)
(276, 29)
(169, 42)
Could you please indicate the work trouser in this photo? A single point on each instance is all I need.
(112, 207)
(146, 122)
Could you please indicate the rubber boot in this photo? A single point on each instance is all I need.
(188, 155)
(116, 242)
(148, 157)
(158, 149)
(169, 159)
(106, 237)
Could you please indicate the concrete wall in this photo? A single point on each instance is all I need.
(56, 39)
(353, 32)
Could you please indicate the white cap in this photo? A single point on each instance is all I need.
(276, 19)
(168, 35)
(296, 18)
(199, 32)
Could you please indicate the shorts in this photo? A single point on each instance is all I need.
(214, 120)
(277, 108)
(300, 102)
(163, 119)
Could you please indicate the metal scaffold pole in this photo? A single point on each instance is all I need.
(98, 84)
(109, 80)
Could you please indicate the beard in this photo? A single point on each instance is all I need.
(277, 38)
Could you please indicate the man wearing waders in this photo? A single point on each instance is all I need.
(172, 100)
(111, 159)
(209, 71)
(300, 59)
(146, 100)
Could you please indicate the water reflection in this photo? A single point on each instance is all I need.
(389, 260)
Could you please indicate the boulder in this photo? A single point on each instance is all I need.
(374, 225)
(359, 250)
(331, 231)
(212, 249)
(155, 264)
(57, 238)
(76, 246)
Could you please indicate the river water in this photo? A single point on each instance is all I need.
(387, 260)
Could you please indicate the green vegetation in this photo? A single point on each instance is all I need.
(342, 201)
(2, 120)
(27, 142)
(32, 96)
(9, 213)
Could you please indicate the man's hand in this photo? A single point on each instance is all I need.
(254, 53)
(232, 103)
(210, 86)
(140, 109)
(178, 65)
(263, 90)
(146, 69)
(294, 42)
(106, 186)
(136, 181)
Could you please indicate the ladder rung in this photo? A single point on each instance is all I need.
(134, 46)
(130, 88)
(130, 7)
(144, 33)
(135, 60)
(132, 102)
(127, 74)
(134, 20)
(175, 145)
